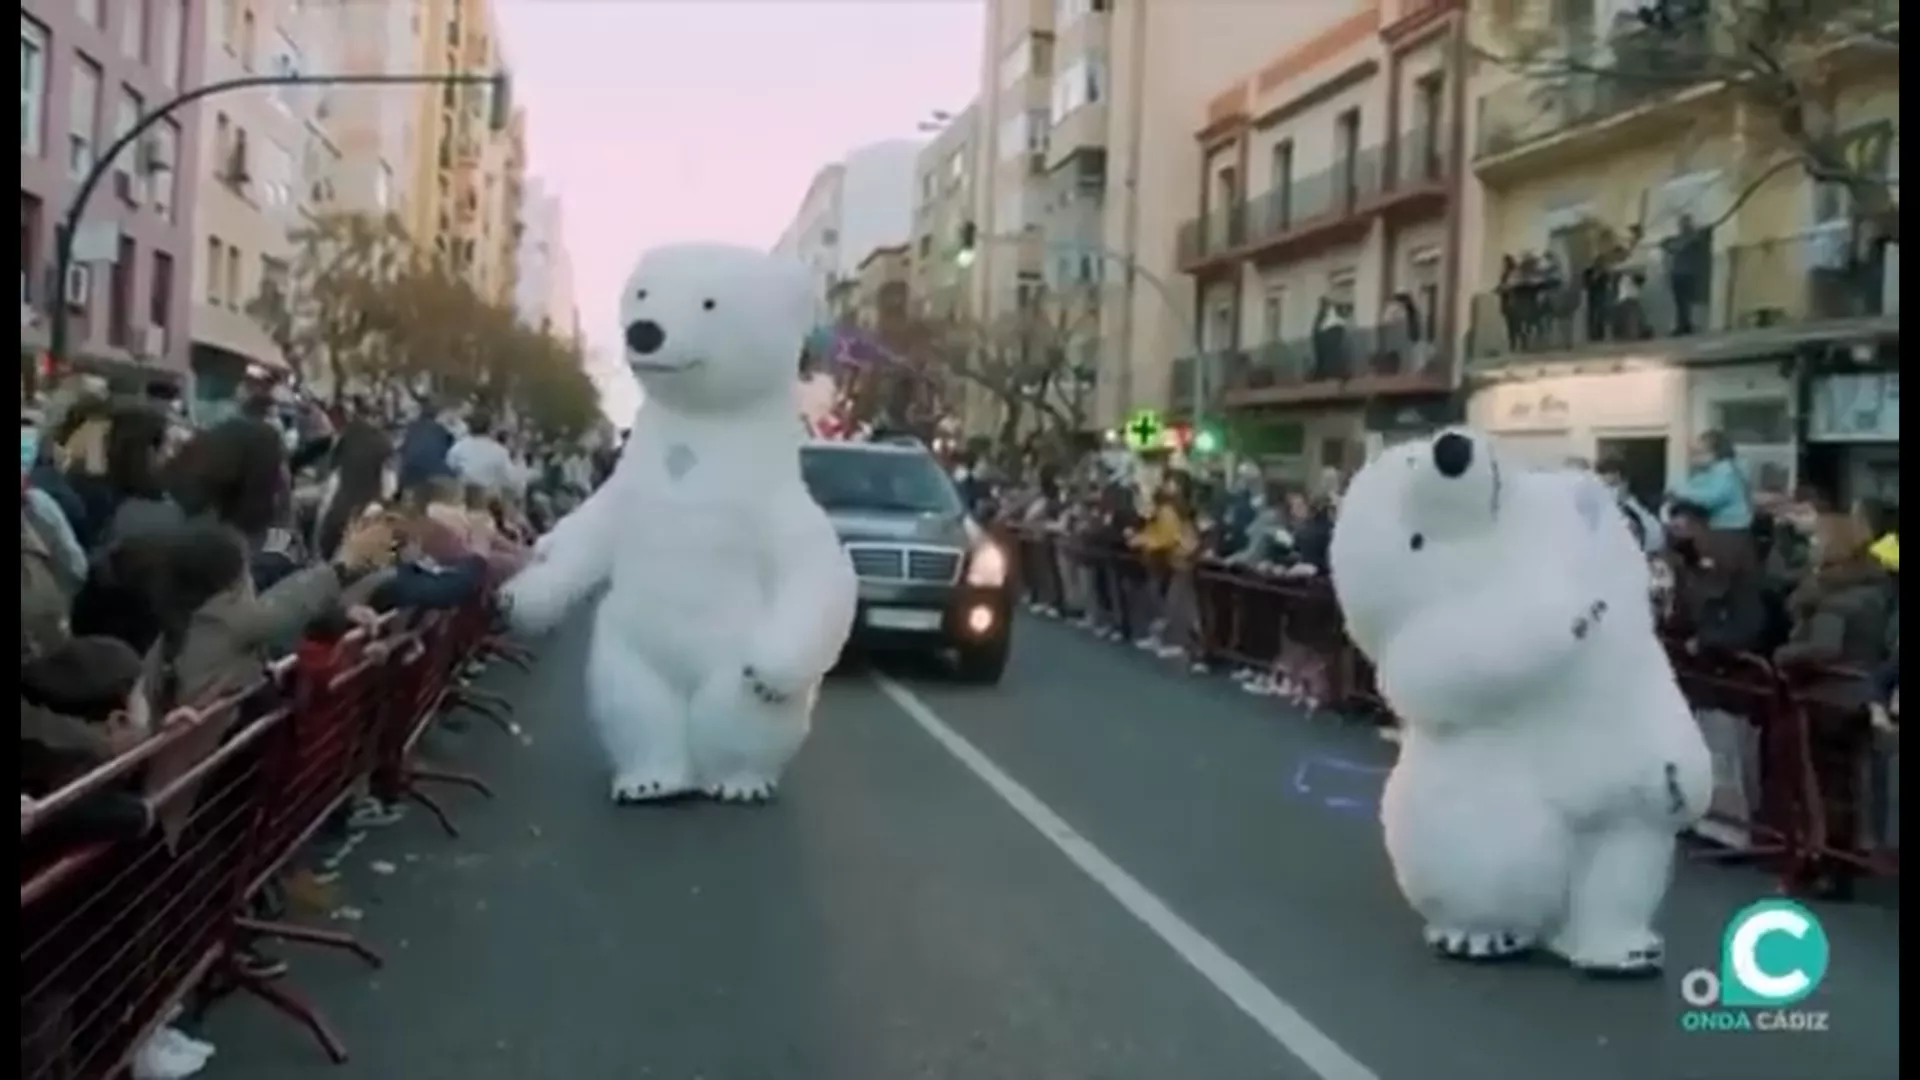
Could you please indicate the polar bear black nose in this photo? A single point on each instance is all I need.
(1452, 453)
(645, 337)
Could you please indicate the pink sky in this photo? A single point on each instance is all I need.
(666, 120)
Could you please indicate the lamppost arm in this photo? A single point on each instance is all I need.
(64, 232)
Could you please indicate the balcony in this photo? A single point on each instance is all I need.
(1752, 299)
(1081, 131)
(1598, 104)
(1337, 364)
(1409, 177)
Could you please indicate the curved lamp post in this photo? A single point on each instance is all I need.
(64, 232)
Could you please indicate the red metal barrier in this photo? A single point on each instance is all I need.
(1807, 806)
(117, 935)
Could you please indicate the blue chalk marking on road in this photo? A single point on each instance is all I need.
(1339, 795)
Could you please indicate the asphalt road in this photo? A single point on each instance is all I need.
(1158, 878)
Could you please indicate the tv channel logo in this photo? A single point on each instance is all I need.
(1772, 955)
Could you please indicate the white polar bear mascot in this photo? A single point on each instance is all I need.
(729, 595)
(1548, 757)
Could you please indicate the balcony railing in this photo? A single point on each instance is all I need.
(1417, 161)
(1316, 198)
(1636, 67)
(1336, 354)
(1811, 278)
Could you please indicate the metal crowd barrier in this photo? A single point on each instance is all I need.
(1793, 772)
(118, 936)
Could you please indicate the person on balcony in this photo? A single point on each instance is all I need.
(1689, 255)
(1330, 340)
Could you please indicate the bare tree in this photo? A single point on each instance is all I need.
(1786, 61)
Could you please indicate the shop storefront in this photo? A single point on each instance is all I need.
(1853, 433)
(1634, 417)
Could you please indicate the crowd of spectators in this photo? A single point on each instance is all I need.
(163, 566)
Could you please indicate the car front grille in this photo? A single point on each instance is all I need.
(879, 562)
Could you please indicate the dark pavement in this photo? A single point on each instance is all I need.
(895, 918)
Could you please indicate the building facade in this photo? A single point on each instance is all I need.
(1084, 158)
(462, 171)
(544, 294)
(881, 284)
(1323, 246)
(1652, 258)
(851, 209)
(942, 206)
(90, 69)
(265, 160)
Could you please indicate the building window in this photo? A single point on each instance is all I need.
(285, 61)
(1273, 315)
(89, 11)
(1083, 83)
(216, 267)
(33, 86)
(162, 180)
(120, 296)
(133, 28)
(83, 116)
(236, 285)
(171, 26)
(160, 293)
(126, 115)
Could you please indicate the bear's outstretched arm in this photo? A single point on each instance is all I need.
(812, 607)
(1444, 665)
(570, 562)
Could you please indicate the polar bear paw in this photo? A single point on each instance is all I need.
(1642, 956)
(1478, 945)
(764, 690)
(1589, 619)
(632, 789)
(745, 791)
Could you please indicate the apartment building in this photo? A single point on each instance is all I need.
(460, 173)
(265, 160)
(1652, 258)
(1323, 244)
(1084, 152)
(880, 288)
(89, 70)
(544, 291)
(851, 209)
(942, 206)
(373, 128)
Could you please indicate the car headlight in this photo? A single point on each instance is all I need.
(988, 566)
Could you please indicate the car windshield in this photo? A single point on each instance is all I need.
(882, 481)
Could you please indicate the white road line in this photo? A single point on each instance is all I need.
(1294, 1032)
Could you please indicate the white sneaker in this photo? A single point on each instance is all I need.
(1241, 675)
(1169, 652)
(1259, 685)
(162, 1058)
(174, 1037)
(1148, 644)
(1198, 668)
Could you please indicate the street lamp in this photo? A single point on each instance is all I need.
(500, 114)
(968, 251)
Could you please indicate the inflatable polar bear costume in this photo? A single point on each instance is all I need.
(729, 595)
(1548, 757)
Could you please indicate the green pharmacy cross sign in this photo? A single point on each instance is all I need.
(1144, 429)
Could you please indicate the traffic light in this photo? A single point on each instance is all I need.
(969, 243)
(1206, 441)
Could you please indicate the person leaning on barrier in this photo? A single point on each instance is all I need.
(92, 683)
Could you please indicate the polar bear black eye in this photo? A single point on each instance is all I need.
(707, 305)
(1416, 541)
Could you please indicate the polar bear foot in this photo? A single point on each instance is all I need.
(745, 791)
(1479, 946)
(632, 789)
(1642, 957)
